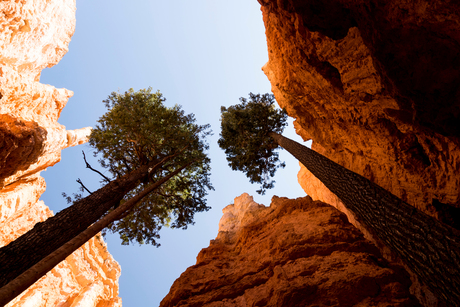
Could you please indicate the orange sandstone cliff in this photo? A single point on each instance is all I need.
(294, 253)
(33, 35)
(375, 85)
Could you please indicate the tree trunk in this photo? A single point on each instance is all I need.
(30, 276)
(428, 247)
(47, 236)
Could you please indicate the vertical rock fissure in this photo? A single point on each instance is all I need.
(428, 247)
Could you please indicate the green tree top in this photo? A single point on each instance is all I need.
(246, 140)
(248, 137)
(138, 130)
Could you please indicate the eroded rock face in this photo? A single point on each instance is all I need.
(348, 84)
(34, 35)
(374, 84)
(293, 253)
(22, 144)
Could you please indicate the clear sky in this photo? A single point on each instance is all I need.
(200, 54)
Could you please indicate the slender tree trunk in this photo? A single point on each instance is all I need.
(47, 236)
(30, 276)
(430, 248)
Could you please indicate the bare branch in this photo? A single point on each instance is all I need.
(115, 171)
(94, 170)
(83, 186)
(125, 163)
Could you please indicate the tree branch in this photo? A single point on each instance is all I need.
(83, 186)
(164, 195)
(125, 214)
(115, 171)
(94, 170)
(126, 165)
(158, 185)
(165, 159)
(28, 277)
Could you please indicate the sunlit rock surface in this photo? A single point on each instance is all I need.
(34, 35)
(296, 252)
(360, 78)
(374, 84)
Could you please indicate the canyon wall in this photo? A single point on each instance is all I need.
(35, 35)
(297, 252)
(374, 84)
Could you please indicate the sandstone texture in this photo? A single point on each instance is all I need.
(374, 84)
(34, 35)
(294, 253)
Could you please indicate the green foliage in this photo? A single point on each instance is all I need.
(139, 129)
(246, 141)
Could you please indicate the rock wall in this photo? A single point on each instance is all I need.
(35, 34)
(377, 92)
(293, 253)
(374, 84)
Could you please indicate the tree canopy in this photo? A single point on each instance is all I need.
(138, 129)
(246, 140)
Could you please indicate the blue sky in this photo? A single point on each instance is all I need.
(200, 54)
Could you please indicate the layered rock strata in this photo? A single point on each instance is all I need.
(374, 84)
(293, 253)
(34, 35)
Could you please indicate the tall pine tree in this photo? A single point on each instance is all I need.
(251, 134)
(147, 147)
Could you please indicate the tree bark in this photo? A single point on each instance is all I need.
(47, 236)
(428, 247)
(30, 276)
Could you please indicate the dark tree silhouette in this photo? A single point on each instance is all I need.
(147, 147)
(428, 247)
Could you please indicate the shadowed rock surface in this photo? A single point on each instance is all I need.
(363, 89)
(374, 84)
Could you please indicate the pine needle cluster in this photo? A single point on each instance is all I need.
(137, 130)
(246, 140)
